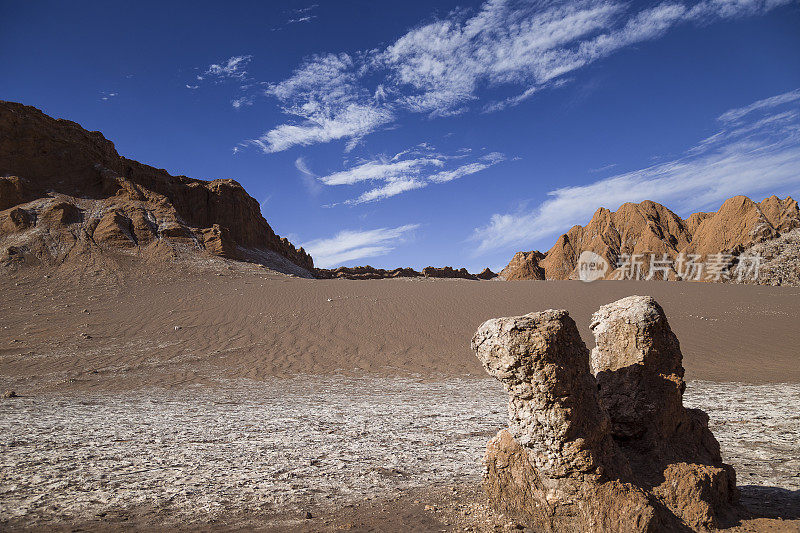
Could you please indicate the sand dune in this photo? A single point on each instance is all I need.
(231, 320)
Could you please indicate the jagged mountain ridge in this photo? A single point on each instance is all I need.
(368, 272)
(65, 191)
(651, 228)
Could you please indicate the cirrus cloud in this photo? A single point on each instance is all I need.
(408, 170)
(445, 67)
(351, 245)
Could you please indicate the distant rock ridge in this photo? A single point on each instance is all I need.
(650, 228)
(65, 191)
(364, 272)
(368, 272)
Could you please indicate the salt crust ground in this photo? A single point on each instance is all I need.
(309, 443)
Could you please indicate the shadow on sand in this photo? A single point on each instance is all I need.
(770, 502)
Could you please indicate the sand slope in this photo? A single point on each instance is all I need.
(236, 320)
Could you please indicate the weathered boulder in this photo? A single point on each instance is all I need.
(613, 451)
(558, 451)
(516, 488)
(553, 405)
(638, 366)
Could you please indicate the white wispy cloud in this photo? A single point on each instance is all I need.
(408, 170)
(326, 98)
(762, 155)
(444, 67)
(106, 96)
(299, 16)
(233, 68)
(381, 170)
(353, 245)
(393, 187)
(734, 115)
(242, 101)
(307, 176)
(324, 124)
(471, 168)
(306, 18)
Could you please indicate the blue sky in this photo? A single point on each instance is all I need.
(429, 133)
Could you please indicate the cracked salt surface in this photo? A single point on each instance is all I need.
(309, 441)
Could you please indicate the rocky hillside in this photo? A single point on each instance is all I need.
(780, 260)
(66, 193)
(650, 228)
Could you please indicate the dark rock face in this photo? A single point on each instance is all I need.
(368, 272)
(615, 452)
(486, 273)
(18, 220)
(364, 272)
(447, 272)
(132, 204)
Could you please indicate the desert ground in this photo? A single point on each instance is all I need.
(224, 396)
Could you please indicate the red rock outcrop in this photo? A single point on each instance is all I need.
(600, 443)
(81, 194)
(649, 229)
(486, 273)
(524, 265)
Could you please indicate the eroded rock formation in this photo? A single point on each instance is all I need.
(65, 192)
(447, 272)
(650, 228)
(600, 442)
(364, 272)
(524, 265)
(486, 273)
(368, 272)
(780, 260)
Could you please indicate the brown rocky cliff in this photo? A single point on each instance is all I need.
(41, 157)
(650, 228)
(524, 265)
